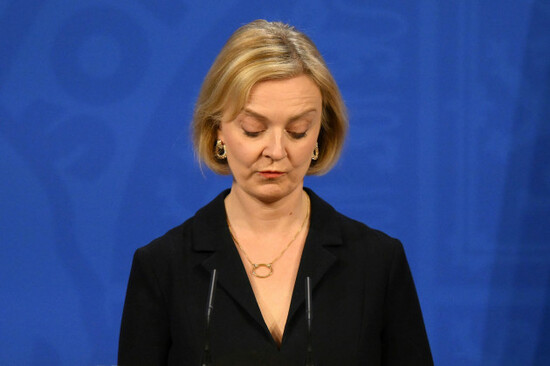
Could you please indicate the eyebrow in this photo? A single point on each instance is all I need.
(263, 118)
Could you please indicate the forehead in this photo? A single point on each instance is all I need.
(297, 92)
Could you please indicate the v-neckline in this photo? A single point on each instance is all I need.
(266, 313)
(213, 235)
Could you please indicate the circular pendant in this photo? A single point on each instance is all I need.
(260, 265)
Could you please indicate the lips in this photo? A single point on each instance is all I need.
(271, 174)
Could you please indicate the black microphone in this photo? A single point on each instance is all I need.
(309, 354)
(206, 359)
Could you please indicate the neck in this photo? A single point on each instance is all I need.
(248, 211)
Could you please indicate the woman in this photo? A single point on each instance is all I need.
(269, 112)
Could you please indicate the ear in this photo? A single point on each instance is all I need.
(220, 133)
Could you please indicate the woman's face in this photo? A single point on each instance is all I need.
(270, 143)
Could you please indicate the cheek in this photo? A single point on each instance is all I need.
(241, 153)
(303, 156)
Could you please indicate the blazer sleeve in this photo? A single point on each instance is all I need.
(404, 339)
(144, 332)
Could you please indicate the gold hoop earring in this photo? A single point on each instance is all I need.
(219, 150)
(315, 154)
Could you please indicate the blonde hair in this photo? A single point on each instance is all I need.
(256, 52)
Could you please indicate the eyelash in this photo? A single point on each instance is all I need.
(251, 134)
(294, 135)
(297, 135)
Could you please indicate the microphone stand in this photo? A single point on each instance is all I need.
(206, 359)
(309, 353)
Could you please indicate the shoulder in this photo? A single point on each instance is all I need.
(164, 249)
(351, 234)
(370, 244)
(193, 235)
(356, 231)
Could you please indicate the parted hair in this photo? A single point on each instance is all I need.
(260, 51)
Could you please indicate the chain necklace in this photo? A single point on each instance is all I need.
(269, 265)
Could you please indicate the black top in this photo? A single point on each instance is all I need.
(365, 307)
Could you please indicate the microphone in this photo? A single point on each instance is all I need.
(309, 353)
(206, 359)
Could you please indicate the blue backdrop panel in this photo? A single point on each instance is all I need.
(449, 150)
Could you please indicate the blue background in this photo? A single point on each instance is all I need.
(449, 150)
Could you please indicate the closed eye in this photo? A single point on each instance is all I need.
(252, 133)
(297, 135)
(251, 127)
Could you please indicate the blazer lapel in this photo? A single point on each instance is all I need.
(324, 231)
(211, 234)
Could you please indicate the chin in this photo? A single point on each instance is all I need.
(273, 192)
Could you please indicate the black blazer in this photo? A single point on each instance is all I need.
(365, 307)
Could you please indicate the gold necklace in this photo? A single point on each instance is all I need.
(269, 265)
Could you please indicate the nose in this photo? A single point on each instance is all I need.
(275, 148)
